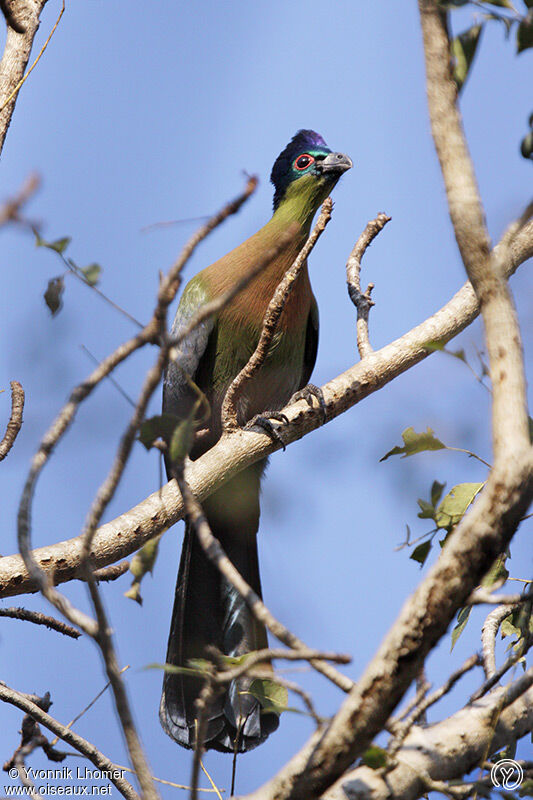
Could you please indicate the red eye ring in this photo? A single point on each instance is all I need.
(303, 162)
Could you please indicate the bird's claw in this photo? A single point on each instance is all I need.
(308, 393)
(263, 421)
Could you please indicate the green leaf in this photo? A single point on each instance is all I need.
(421, 552)
(530, 421)
(91, 273)
(374, 757)
(508, 628)
(159, 427)
(524, 33)
(462, 619)
(142, 562)
(172, 669)
(182, 439)
(53, 296)
(434, 346)
(526, 146)
(436, 492)
(498, 573)
(526, 788)
(427, 511)
(463, 49)
(273, 697)
(134, 592)
(415, 443)
(454, 505)
(59, 245)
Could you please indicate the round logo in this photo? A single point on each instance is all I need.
(507, 774)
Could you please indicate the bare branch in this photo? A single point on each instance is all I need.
(446, 750)
(464, 203)
(362, 301)
(486, 273)
(89, 705)
(97, 758)
(10, 211)
(271, 319)
(164, 507)
(151, 333)
(111, 573)
(402, 729)
(15, 421)
(488, 637)
(114, 673)
(40, 619)
(23, 23)
(482, 596)
(513, 659)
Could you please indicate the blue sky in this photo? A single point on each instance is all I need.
(133, 118)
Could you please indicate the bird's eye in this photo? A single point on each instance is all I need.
(303, 161)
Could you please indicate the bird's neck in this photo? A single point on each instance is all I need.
(299, 204)
(291, 211)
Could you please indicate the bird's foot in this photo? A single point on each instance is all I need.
(263, 421)
(310, 393)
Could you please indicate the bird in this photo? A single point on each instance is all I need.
(208, 611)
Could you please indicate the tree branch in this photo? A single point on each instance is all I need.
(362, 300)
(99, 760)
(40, 619)
(22, 25)
(128, 532)
(442, 752)
(15, 421)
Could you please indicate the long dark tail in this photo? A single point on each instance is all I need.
(208, 611)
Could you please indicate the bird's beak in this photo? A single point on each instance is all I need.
(335, 164)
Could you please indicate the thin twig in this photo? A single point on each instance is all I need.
(174, 785)
(272, 654)
(291, 686)
(73, 269)
(203, 704)
(500, 672)
(122, 705)
(110, 378)
(99, 760)
(488, 637)
(91, 704)
(111, 573)
(363, 301)
(15, 421)
(11, 208)
(151, 333)
(484, 597)
(402, 729)
(162, 509)
(271, 319)
(218, 557)
(40, 619)
(41, 51)
(107, 489)
(214, 306)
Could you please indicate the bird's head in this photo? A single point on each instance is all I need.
(306, 171)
